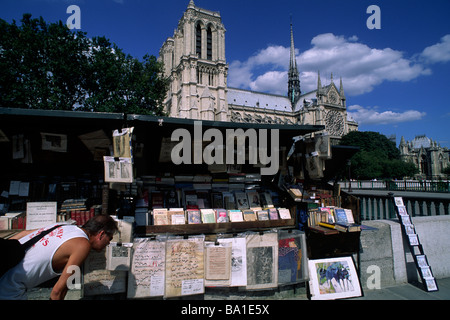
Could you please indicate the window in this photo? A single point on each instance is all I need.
(198, 41)
(209, 44)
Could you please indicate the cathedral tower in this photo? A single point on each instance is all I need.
(194, 61)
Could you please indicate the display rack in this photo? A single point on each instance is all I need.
(412, 238)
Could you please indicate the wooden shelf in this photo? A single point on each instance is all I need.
(212, 228)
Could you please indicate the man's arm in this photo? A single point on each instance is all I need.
(77, 250)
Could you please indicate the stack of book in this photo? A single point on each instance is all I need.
(330, 220)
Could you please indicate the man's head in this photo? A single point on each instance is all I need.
(101, 229)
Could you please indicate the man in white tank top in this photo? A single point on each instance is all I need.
(65, 246)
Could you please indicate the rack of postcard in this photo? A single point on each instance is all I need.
(416, 248)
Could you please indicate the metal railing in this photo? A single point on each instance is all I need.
(400, 185)
(376, 207)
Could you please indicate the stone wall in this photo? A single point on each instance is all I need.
(384, 250)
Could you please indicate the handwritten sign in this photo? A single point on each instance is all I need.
(40, 214)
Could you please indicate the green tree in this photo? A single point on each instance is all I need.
(378, 157)
(47, 66)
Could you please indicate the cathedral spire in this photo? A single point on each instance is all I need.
(293, 75)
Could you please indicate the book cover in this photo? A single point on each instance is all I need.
(235, 215)
(273, 214)
(160, 217)
(241, 200)
(208, 215)
(341, 216)
(263, 215)
(249, 215)
(284, 213)
(221, 215)
(253, 199)
(193, 216)
(177, 216)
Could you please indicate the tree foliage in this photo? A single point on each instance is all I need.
(47, 66)
(378, 157)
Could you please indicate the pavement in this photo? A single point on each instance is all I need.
(405, 291)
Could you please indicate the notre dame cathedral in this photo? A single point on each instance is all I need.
(195, 63)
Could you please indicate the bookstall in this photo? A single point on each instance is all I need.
(188, 221)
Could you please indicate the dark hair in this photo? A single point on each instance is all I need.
(99, 223)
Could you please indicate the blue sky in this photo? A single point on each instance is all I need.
(396, 78)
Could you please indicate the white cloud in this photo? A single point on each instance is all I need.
(439, 52)
(370, 115)
(361, 67)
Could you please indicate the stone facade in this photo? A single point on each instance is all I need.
(427, 155)
(194, 61)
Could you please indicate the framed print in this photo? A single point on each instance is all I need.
(431, 285)
(422, 261)
(402, 211)
(333, 278)
(413, 239)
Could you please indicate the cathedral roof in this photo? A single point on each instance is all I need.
(247, 98)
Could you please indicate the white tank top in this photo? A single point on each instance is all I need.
(36, 267)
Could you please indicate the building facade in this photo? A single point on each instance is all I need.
(195, 63)
(427, 155)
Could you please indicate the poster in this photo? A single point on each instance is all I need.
(333, 278)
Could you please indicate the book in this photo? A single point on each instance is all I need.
(221, 215)
(273, 214)
(323, 230)
(235, 215)
(284, 213)
(266, 199)
(217, 200)
(295, 193)
(193, 216)
(328, 214)
(349, 214)
(350, 227)
(340, 215)
(160, 217)
(337, 227)
(208, 215)
(176, 216)
(263, 215)
(249, 215)
(253, 198)
(228, 200)
(241, 200)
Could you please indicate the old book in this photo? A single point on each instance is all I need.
(176, 216)
(160, 217)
